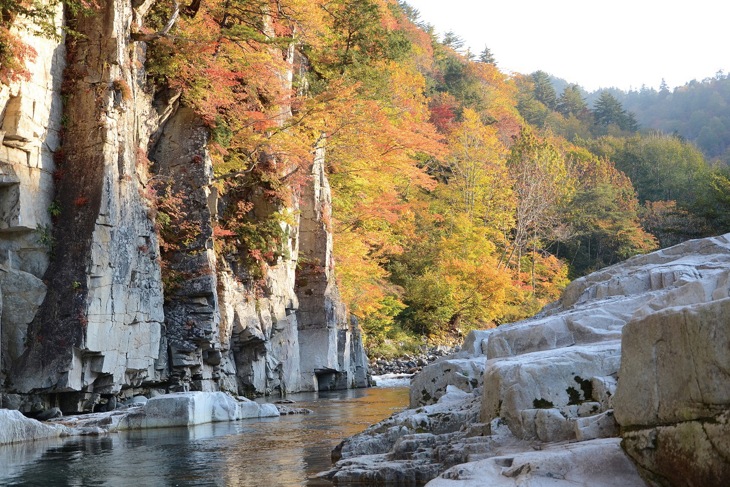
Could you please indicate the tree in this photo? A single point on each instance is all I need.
(540, 183)
(660, 167)
(543, 89)
(464, 289)
(486, 57)
(476, 174)
(608, 111)
(452, 40)
(571, 102)
(606, 229)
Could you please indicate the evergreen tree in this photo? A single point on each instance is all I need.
(544, 91)
(487, 57)
(571, 101)
(663, 88)
(608, 111)
(452, 40)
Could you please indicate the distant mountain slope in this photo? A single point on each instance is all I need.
(698, 111)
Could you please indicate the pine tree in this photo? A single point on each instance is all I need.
(487, 57)
(608, 111)
(452, 40)
(544, 91)
(571, 101)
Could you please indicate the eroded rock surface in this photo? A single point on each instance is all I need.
(87, 150)
(639, 350)
(675, 412)
(15, 428)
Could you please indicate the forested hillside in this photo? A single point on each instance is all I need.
(462, 197)
(699, 112)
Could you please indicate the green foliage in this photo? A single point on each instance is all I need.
(543, 89)
(604, 231)
(661, 168)
(358, 37)
(608, 111)
(487, 57)
(698, 112)
(45, 236)
(54, 209)
(571, 102)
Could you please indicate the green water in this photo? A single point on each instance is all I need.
(285, 451)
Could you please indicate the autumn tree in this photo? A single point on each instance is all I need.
(35, 18)
(540, 183)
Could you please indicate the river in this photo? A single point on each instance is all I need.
(271, 452)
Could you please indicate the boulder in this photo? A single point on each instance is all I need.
(673, 396)
(192, 408)
(14, 428)
(431, 383)
(514, 387)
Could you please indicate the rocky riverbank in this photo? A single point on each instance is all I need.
(412, 363)
(169, 410)
(624, 381)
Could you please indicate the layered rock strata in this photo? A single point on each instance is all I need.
(633, 356)
(86, 318)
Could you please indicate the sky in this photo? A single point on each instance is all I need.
(597, 44)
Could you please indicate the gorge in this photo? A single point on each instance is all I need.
(167, 249)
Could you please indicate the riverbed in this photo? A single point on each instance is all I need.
(285, 451)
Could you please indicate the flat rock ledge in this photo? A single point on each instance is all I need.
(15, 428)
(169, 410)
(624, 381)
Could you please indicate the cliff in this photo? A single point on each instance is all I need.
(624, 381)
(96, 163)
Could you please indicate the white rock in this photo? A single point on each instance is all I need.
(547, 379)
(597, 463)
(192, 408)
(431, 383)
(673, 395)
(14, 428)
(599, 426)
(676, 366)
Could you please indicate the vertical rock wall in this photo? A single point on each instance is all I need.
(328, 342)
(30, 123)
(96, 322)
(99, 327)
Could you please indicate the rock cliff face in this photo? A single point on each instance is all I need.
(85, 314)
(633, 360)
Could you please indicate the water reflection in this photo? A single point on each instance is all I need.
(286, 451)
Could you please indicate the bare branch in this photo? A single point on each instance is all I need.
(142, 37)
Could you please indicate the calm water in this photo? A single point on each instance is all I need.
(285, 451)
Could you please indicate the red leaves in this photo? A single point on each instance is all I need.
(14, 54)
(221, 232)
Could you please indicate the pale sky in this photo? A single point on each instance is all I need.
(597, 44)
